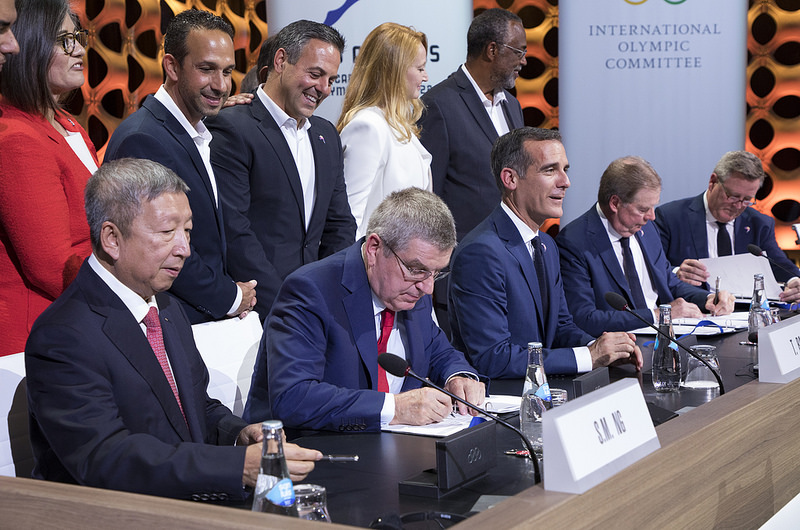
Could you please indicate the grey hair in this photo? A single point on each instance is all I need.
(624, 177)
(118, 188)
(413, 213)
(509, 150)
(490, 26)
(294, 37)
(746, 164)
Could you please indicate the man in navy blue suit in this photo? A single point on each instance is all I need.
(506, 288)
(168, 128)
(613, 247)
(280, 168)
(721, 222)
(116, 387)
(317, 366)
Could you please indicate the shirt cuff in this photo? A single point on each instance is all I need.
(387, 411)
(583, 359)
(236, 302)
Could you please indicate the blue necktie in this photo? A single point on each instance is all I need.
(538, 263)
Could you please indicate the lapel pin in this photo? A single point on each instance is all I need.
(746, 228)
(322, 138)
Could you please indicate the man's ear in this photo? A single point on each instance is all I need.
(614, 203)
(509, 178)
(280, 60)
(110, 237)
(171, 67)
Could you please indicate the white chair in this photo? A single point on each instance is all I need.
(229, 349)
(16, 456)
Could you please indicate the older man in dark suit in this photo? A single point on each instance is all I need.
(280, 168)
(116, 387)
(198, 61)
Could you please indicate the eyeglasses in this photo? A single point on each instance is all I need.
(733, 199)
(67, 40)
(417, 275)
(520, 53)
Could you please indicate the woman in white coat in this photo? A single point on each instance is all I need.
(382, 152)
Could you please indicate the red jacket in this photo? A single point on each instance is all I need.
(44, 236)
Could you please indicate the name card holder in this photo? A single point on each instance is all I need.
(590, 439)
(779, 352)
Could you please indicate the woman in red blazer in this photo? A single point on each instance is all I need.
(45, 160)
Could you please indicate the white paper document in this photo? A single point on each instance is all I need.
(456, 422)
(736, 275)
(725, 324)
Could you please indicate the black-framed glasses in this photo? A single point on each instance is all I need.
(411, 274)
(67, 40)
(520, 53)
(733, 199)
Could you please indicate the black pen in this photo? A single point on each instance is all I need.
(340, 458)
(716, 292)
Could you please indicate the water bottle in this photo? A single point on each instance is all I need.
(666, 358)
(759, 309)
(535, 398)
(274, 492)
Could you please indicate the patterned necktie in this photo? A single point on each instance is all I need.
(629, 268)
(156, 340)
(541, 275)
(387, 321)
(723, 240)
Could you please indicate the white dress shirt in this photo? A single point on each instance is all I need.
(494, 107)
(712, 229)
(300, 145)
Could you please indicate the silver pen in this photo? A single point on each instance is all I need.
(716, 292)
(340, 458)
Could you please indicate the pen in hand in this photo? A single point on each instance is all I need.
(716, 292)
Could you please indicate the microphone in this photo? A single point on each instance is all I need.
(617, 301)
(398, 367)
(755, 250)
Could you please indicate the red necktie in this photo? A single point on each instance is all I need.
(387, 321)
(156, 340)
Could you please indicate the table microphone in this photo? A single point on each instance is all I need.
(398, 367)
(755, 250)
(617, 301)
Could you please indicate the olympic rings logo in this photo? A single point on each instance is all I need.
(640, 2)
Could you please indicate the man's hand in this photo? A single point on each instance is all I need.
(467, 389)
(791, 293)
(250, 435)
(724, 305)
(299, 460)
(238, 99)
(692, 272)
(615, 348)
(421, 407)
(683, 309)
(248, 297)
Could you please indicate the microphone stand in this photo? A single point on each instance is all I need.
(424, 380)
(616, 301)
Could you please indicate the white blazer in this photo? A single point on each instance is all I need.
(376, 163)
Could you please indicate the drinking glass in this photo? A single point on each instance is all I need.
(312, 502)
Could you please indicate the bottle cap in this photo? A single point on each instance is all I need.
(272, 424)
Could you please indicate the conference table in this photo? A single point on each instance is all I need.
(725, 461)
(361, 491)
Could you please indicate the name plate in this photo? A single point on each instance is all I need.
(779, 352)
(590, 439)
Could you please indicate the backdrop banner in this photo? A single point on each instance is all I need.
(444, 22)
(662, 79)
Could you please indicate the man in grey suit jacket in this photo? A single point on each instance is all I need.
(116, 387)
(280, 168)
(468, 111)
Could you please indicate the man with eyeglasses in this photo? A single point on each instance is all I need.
(613, 247)
(506, 289)
(721, 222)
(317, 365)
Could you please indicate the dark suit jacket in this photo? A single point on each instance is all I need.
(263, 198)
(458, 133)
(591, 269)
(682, 225)
(102, 414)
(317, 364)
(204, 286)
(496, 306)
